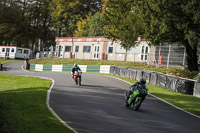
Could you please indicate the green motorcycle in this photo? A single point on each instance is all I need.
(135, 98)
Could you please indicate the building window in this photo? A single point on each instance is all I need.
(25, 51)
(86, 49)
(144, 53)
(19, 50)
(68, 48)
(3, 49)
(12, 50)
(77, 49)
(110, 50)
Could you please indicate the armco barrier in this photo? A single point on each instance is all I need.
(153, 78)
(146, 75)
(180, 85)
(122, 71)
(185, 86)
(139, 74)
(197, 89)
(67, 68)
(128, 73)
(133, 73)
(171, 83)
(161, 80)
(112, 69)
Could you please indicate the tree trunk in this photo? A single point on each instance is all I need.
(126, 55)
(192, 58)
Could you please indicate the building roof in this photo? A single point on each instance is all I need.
(14, 47)
(83, 39)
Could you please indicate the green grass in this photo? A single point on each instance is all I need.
(186, 102)
(185, 73)
(23, 106)
(4, 61)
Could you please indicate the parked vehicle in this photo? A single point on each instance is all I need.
(135, 98)
(77, 77)
(14, 52)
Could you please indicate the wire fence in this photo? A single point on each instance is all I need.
(159, 56)
(168, 56)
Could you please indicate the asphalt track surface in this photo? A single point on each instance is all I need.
(98, 106)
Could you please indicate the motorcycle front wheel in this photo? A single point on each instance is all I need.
(137, 103)
(79, 81)
(76, 81)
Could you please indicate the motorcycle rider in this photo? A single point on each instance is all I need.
(140, 84)
(75, 68)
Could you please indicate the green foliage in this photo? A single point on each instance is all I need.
(82, 27)
(121, 22)
(184, 73)
(66, 13)
(96, 25)
(90, 26)
(173, 22)
(23, 106)
(22, 23)
(12, 29)
(5, 61)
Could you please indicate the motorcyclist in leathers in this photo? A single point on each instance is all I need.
(140, 84)
(75, 68)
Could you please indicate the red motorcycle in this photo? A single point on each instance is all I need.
(77, 77)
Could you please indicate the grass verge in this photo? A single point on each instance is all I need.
(4, 61)
(23, 106)
(186, 102)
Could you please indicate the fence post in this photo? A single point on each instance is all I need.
(168, 56)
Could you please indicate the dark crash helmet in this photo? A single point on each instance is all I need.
(75, 65)
(143, 81)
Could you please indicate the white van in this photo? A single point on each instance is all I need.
(14, 52)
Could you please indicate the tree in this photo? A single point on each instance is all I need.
(82, 27)
(66, 13)
(90, 26)
(96, 25)
(13, 30)
(174, 22)
(23, 23)
(121, 22)
(39, 19)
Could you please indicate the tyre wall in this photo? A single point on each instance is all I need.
(180, 85)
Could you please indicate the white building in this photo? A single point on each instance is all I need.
(99, 48)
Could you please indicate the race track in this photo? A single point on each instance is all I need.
(98, 106)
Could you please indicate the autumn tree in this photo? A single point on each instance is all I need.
(66, 13)
(90, 26)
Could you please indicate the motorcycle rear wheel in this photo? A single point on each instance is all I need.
(137, 103)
